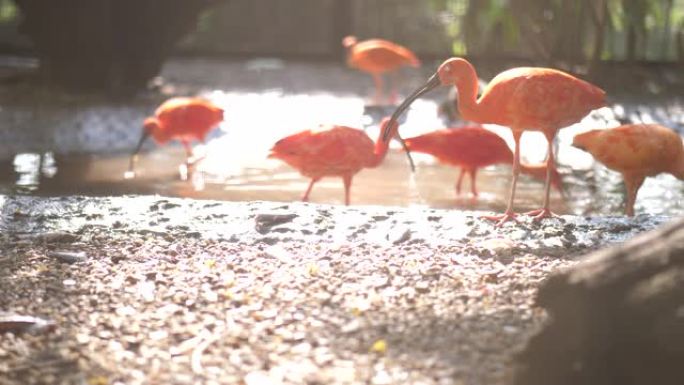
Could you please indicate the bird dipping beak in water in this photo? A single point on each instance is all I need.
(180, 118)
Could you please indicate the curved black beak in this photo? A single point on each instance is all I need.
(134, 156)
(431, 84)
(407, 151)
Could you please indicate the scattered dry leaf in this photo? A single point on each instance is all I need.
(379, 346)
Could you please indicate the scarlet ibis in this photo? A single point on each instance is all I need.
(636, 151)
(523, 99)
(180, 118)
(332, 151)
(376, 57)
(471, 148)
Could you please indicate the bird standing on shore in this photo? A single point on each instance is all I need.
(180, 118)
(376, 57)
(636, 151)
(523, 99)
(471, 148)
(332, 151)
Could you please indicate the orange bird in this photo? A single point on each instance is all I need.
(332, 151)
(636, 151)
(470, 148)
(377, 56)
(184, 119)
(523, 99)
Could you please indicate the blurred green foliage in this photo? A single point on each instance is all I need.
(8, 11)
(568, 30)
(571, 31)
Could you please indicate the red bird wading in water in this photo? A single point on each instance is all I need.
(523, 99)
(471, 148)
(636, 151)
(376, 57)
(332, 151)
(183, 119)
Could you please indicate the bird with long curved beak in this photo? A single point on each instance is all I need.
(180, 118)
(332, 150)
(523, 99)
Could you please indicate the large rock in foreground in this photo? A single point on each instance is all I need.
(617, 318)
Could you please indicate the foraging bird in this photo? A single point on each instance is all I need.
(180, 118)
(332, 151)
(376, 57)
(473, 147)
(523, 99)
(636, 151)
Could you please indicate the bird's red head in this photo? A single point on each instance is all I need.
(453, 69)
(153, 128)
(349, 41)
(449, 73)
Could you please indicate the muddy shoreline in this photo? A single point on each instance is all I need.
(179, 291)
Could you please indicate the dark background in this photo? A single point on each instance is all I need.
(121, 44)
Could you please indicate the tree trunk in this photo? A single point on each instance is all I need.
(667, 29)
(599, 11)
(110, 45)
(342, 18)
(617, 318)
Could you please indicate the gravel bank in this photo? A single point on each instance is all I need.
(151, 290)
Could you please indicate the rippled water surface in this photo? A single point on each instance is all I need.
(80, 146)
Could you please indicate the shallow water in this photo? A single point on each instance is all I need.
(76, 147)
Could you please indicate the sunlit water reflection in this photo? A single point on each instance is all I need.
(235, 166)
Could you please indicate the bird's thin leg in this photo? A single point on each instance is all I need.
(459, 181)
(545, 211)
(185, 169)
(188, 151)
(632, 184)
(473, 177)
(347, 179)
(305, 197)
(378, 88)
(192, 159)
(509, 215)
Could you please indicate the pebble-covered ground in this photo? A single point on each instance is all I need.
(150, 290)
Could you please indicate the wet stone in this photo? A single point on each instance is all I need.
(13, 323)
(264, 222)
(68, 256)
(57, 237)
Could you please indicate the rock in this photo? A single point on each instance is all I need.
(259, 378)
(399, 235)
(13, 323)
(264, 222)
(616, 318)
(57, 237)
(68, 256)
